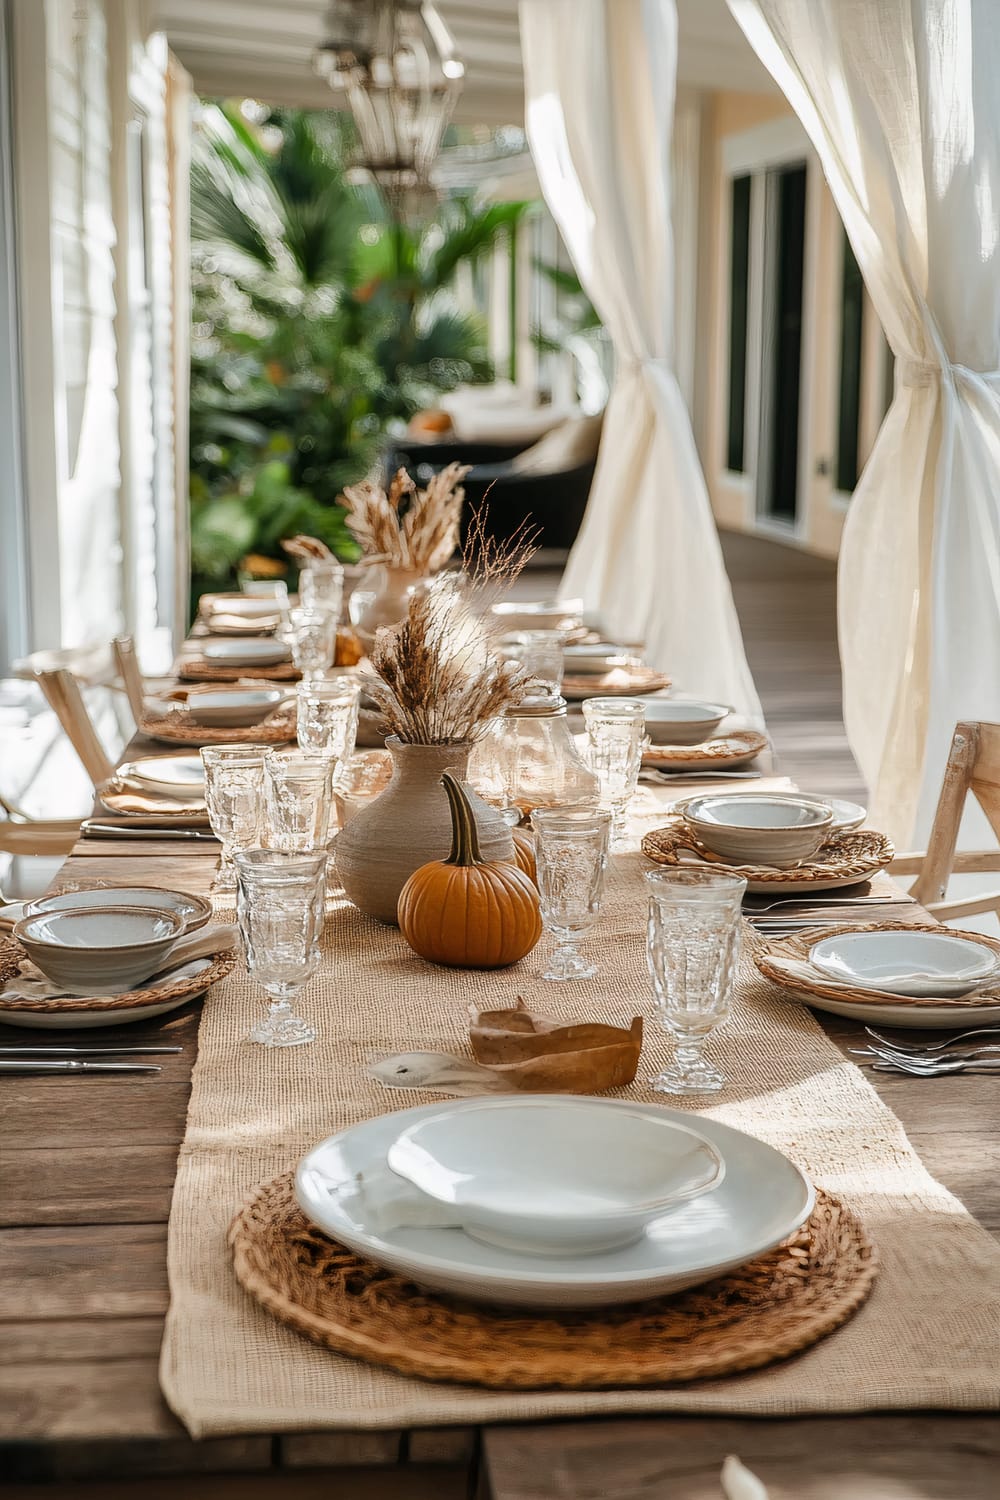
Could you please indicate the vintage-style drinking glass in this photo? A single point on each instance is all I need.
(571, 855)
(540, 653)
(234, 797)
(321, 586)
(298, 796)
(692, 946)
(616, 738)
(280, 910)
(327, 717)
(312, 636)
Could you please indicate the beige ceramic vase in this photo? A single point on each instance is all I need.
(408, 826)
(390, 604)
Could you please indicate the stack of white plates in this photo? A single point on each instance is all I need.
(552, 1200)
(923, 967)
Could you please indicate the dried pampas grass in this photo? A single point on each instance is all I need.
(439, 678)
(306, 550)
(422, 538)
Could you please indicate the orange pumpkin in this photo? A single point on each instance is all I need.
(465, 911)
(524, 854)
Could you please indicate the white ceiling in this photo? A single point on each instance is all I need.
(263, 49)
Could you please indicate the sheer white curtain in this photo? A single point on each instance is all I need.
(902, 101)
(599, 82)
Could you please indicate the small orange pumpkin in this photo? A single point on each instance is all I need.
(524, 854)
(465, 911)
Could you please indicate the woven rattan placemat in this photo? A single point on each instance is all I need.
(768, 1310)
(927, 1336)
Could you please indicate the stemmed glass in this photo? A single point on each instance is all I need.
(280, 909)
(571, 855)
(327, 717)
(692, 947)
(616, 741)
(234, 797)
(312, 636)
(321, 586)
(298, 794)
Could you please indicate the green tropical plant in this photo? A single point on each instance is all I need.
(319, 321)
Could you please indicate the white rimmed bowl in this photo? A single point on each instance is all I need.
(758, 829)
(249, 653)
(682, 721)
(541, 614)
(595, 661)
(924, 965)
(91, 947)
(194, 911)
(232, 707)
(555, 1176)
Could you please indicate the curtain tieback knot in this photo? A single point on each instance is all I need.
(915, 373)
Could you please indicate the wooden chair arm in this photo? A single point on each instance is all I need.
(907, 864)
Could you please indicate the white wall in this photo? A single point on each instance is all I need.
(96, 300)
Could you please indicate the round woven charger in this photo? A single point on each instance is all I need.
(856, 856)
(197, 669)
(12, 956)
(726, 750)
(772, 1308)
(640, 680)
(798, 945)
(178, 728)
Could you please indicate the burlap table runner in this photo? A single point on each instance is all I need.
(928, 1337)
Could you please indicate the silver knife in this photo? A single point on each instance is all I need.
(71, 1065)
(89, 829)
(15, 1050)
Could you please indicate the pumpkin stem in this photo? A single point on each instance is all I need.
(465, 849)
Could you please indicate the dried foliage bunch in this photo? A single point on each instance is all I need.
(440, 678)
(305, 550)
(423, 536)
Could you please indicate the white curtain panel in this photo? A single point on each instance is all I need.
(901, 99)
(599, 84)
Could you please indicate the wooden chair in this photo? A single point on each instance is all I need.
(973, 766)
(63, 693)
(123, 650)
(22, 835)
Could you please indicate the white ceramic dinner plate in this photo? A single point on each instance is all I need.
(846, 815)
(246, 606)
(181, 776)
(762, 1200)
(908, 1015)
(555, 1176)
(250, 653)
(594, 661)
(925, 965)
(72, 1019)
(232, 707)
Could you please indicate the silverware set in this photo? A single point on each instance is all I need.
(962, 1053)
(777, 918)
(15, 1058)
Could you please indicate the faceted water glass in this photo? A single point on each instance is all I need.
(540, 653)
(321, 586)
(616, 736)
(298, 797)
(312, 636)
(360, 780)
(327, 717)
(571, 856)
(692, 947)
(234, 797)
(280, 909)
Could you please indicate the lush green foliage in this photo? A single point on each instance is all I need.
(319, 321)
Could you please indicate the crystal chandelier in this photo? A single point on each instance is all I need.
(396, 64)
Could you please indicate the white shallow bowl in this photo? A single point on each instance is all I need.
(252, 653)
(554, 1176)
(595, 661)
(232, 707)
(540, 614)
(682, 721)
(181, 776)
(194, 911)
(91, 947)
(925, 965)
(759, 828)
(763, 1199)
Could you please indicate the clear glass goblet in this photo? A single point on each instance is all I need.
(280, 908)
(616, 735)
(312, 636)
(234, 797)
(571, 856)
(541, 653)
(321, 586)
(692, 947)
(327, 717)
(298, 797)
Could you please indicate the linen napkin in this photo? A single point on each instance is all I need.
(184, 956)
(124, 796)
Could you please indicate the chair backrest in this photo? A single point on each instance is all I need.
(63, 694)
(973, 766)
(123, 647)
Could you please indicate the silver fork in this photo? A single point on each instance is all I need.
(921, 1048)
(752, 909)
(937, 1067)
(890, 1054)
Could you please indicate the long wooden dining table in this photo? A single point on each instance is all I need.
(88, 1168)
